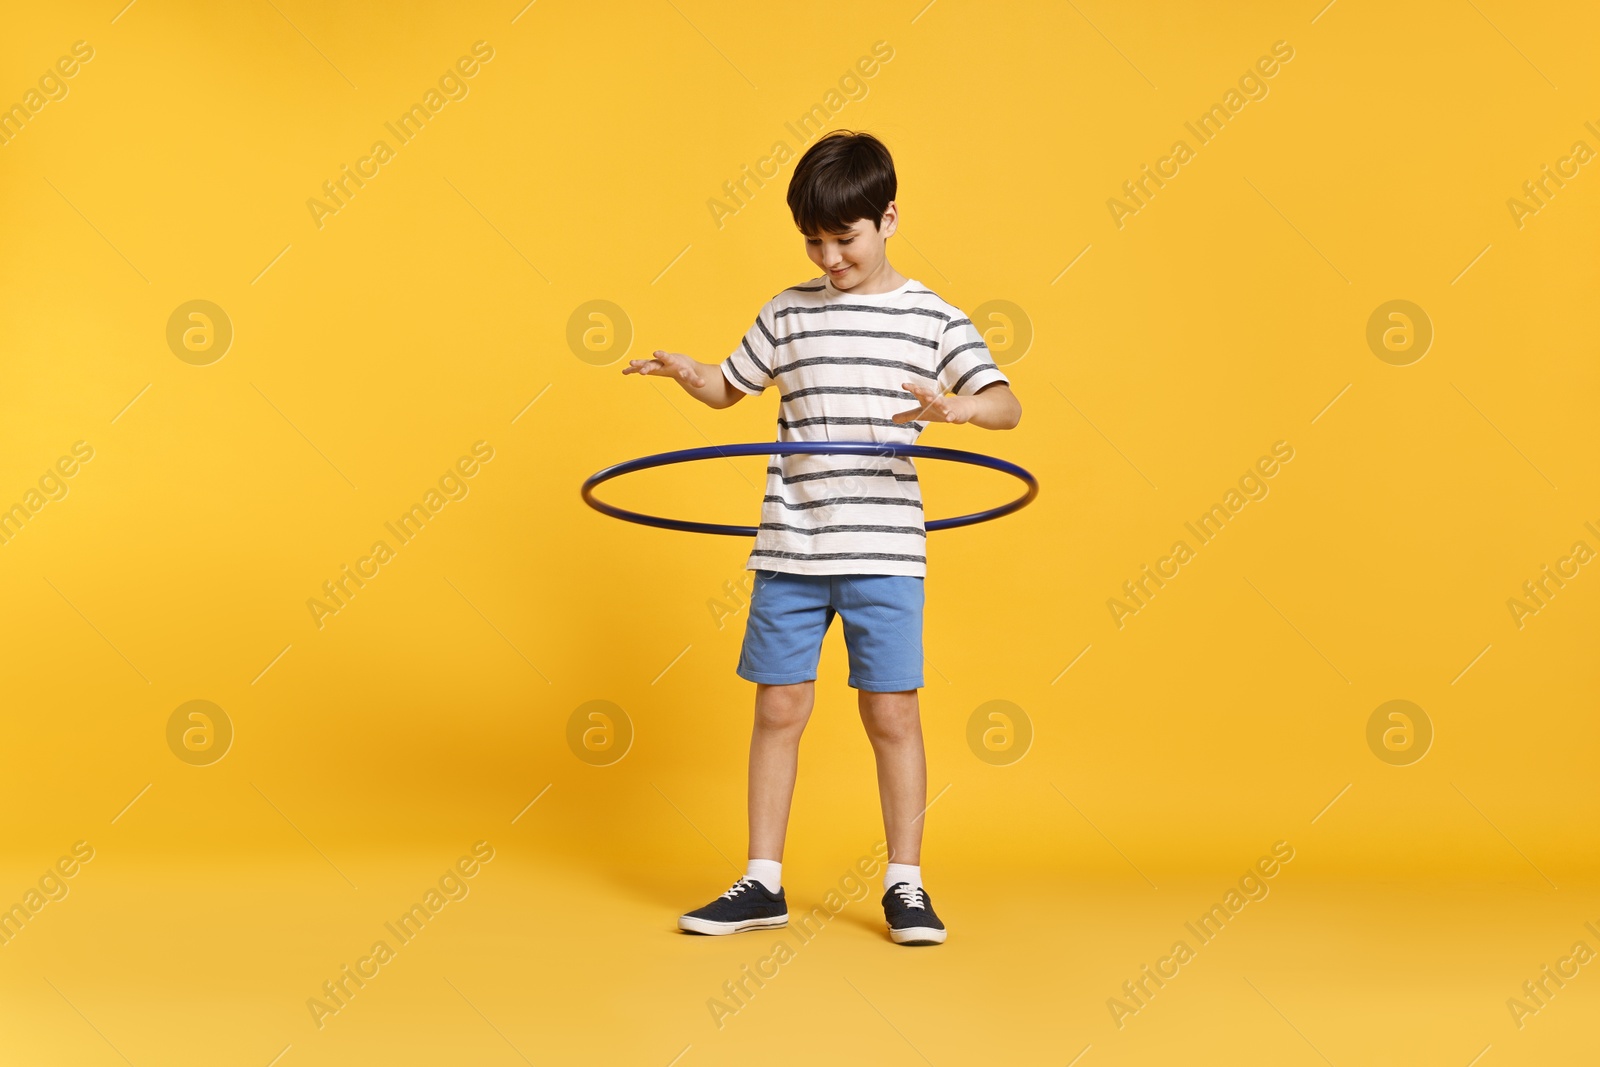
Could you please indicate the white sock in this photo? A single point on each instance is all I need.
(767, 872)
(902, 872)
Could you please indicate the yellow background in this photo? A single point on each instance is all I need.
(429, 312)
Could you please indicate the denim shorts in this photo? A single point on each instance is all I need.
(790, 613)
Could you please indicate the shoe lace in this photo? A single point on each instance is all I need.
(738, 887)
(912, 897)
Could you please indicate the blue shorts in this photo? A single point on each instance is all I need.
(790, 613)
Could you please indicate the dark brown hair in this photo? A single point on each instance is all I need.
(843, 177)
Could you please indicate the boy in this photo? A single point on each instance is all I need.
(848, 351)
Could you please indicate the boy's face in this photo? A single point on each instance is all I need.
(855, 255)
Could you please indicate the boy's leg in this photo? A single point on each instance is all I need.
(894, 725)
(883, 632)
(781, 715)
(789, 614)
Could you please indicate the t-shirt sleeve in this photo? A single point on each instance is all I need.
(964, 364)
(750, 366)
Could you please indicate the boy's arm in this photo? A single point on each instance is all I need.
(703, 381)
(994, 407)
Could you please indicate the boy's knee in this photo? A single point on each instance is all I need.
(782, 707)
(890, 717)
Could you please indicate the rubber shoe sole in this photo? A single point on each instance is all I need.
(709, 926)
(917, 935)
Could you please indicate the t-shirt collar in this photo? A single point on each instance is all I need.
(833, 290)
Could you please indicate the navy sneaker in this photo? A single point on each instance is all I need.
(911, 917)
(746, 906)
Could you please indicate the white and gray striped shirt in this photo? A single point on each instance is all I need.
(838, 360)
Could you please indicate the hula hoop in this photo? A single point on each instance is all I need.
(775, 448)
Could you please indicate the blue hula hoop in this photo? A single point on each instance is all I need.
(778, 448)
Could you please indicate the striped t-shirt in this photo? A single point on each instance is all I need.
(838, 360)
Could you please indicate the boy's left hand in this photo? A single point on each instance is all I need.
(935, 406)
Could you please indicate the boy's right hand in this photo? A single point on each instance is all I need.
(670, 363)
